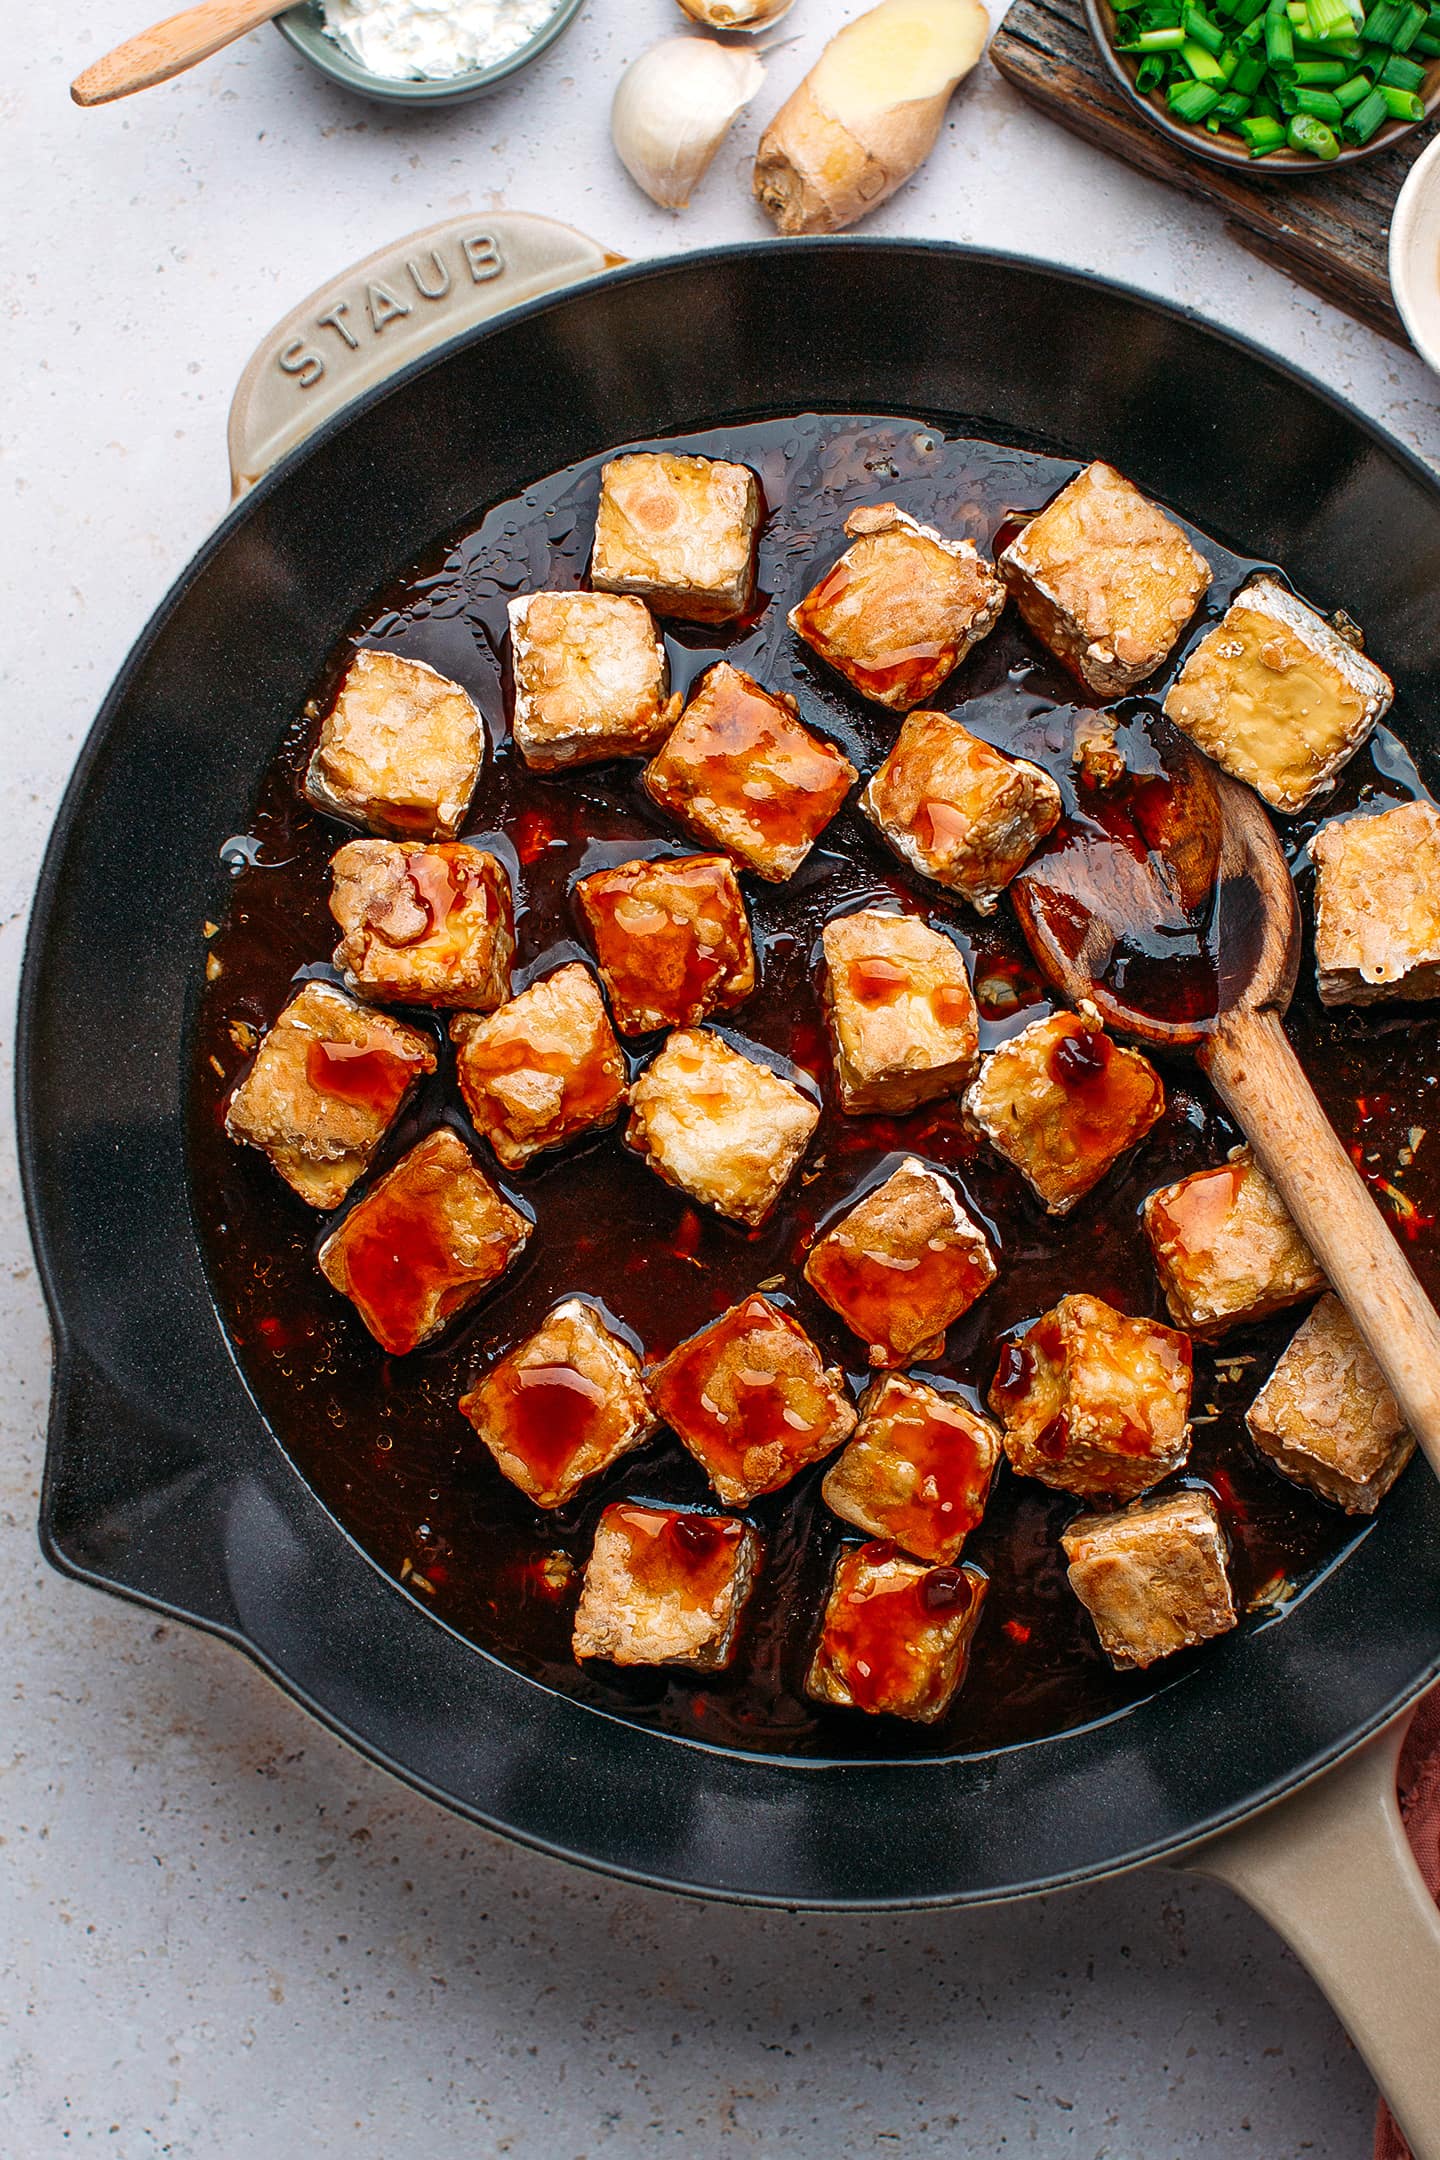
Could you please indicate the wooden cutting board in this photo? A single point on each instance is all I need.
(1330, 233)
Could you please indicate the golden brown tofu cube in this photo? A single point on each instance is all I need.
(1106, 580)
(423, 925)
(325, 1088)
(918, 1469)
(1154, 1579)
(741, 771)
(958, 811)
(896, 1635)
(901, 608)
(423, 1243)
(400, 750)
(1226, 1249)
(544, 1069)
(562, 1406)
(679, 533)
(1094, 1402)
(665, 1588)
(901, 1013)
(1062, 1102)
(902, 1264)
(591, 679)
(1277, 697)
(1377, 906)
(1326, 1418)
(672, 939)
(752, 1399)
(722, 1127)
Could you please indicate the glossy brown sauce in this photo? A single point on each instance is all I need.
(382, 1440)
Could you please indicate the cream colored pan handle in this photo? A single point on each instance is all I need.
(1331, 1869)
(365, 324)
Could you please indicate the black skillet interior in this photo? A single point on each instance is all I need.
(164, 1483)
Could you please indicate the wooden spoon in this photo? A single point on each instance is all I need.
(169, 47)
(1168, 903)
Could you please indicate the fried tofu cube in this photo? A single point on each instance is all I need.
(1377, 906)
(663, 1587)
(400, 750)
(958, 811)
(1062, 1103)
(562, 1406)
(1277, 697)
(741, 771)
(917, 1470)
(591, 679)
(896, 1635)
(901, 1013)
(752, 1399)
(1154, 1579)
(672, 940)
(900, 609)
(902, 1264)
(1325, 1417)
(1105, 580)
(423, 1243)
(1226, 1249)
(423, 925)
(678, 532)
(326, 1086)
(543, 1070)
(1094, 1402)
(721, 1126)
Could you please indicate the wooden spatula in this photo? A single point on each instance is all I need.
(1169, 904)
(169, 47)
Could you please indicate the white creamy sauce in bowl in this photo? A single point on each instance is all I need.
(408, 40)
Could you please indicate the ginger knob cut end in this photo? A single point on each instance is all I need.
(867, 115)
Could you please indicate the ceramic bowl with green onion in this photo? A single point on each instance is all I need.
(1275, 87)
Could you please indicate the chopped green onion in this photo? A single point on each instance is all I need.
(1315, 73)
(1279, 39)
(1192, 100)
(1151, 73)
(1261, 135)
(1199, 27)
(1322, 104)
(1154, 41)
(1401, 104)
(1409, 29)
(1305, 132)
(1363, 119)
(1384, 19)
(1401, 74)
(1232, 108)
(1247, 76)
(1330, 19)
(1428, 44)
(1202, 65)
(1351, 92)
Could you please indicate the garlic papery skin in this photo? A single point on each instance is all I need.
(673, 108)
(736, 14)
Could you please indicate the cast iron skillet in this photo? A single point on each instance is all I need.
(164, 1484)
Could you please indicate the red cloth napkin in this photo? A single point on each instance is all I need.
(1420, 1805)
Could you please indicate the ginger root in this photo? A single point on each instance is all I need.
(867, 114)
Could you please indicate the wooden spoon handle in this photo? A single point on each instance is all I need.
(1261, 1082)
(169, 47)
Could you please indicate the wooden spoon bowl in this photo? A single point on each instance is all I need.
(1167, 903)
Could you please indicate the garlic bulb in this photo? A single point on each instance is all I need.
(736, 14)
(672, 109)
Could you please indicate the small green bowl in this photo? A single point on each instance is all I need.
(304, 28)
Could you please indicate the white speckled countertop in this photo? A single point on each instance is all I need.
(222, 1936)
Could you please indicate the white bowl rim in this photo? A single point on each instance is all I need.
(1414, 254)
